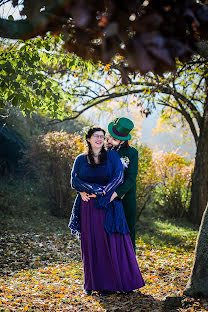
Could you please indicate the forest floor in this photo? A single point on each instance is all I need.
(42, 269)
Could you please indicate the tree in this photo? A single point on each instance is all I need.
(24, 76)
(150, 35)
(197, 284)
(183, 93)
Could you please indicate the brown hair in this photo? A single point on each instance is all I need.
(90, 155)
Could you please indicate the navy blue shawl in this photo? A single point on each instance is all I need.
(115, 221)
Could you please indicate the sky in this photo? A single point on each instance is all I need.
(7, 9)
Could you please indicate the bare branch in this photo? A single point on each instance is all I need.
(183, 112)
(197, 87)
(96, 82)
(189, 120)
(106, 98)
(178, 95)
(82, 95)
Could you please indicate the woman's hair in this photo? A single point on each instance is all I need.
(103, 151)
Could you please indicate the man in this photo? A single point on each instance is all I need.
(119, 134)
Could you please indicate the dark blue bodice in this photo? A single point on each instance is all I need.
(101, 181)
(99, 175)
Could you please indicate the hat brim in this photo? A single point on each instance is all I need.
(115, 136)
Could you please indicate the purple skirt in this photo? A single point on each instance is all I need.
(109, 260)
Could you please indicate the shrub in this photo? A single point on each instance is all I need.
(164, 179)
(19, 197)
(173, 192)
(146, 178)
(52, 157)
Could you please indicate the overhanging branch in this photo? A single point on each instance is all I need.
(95, 103)
(178, 95)
(187, 117)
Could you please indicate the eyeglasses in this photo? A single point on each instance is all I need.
(97, 136)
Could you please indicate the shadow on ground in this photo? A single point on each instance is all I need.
(151, 232)
(134, 302)
(138, 302)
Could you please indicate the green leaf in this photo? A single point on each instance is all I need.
(38, 92)
(47, 47)
(16, 85)
(48, 84)
(35, 85)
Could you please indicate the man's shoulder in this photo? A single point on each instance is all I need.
(131, 151)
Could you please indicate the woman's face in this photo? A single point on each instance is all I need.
(97, 140)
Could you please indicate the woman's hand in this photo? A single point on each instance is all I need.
(86, 197)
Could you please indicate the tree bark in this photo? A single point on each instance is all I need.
(199, 189)
(198, 283)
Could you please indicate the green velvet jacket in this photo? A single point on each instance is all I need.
(127, 190)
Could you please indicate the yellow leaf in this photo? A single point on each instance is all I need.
(44, 59)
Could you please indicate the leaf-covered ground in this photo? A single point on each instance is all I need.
(41, 268)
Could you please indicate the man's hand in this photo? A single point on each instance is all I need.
(85, 196)
(114, 195)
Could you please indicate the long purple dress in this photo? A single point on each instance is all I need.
(109, 260)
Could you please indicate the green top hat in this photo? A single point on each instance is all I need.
(120, 128)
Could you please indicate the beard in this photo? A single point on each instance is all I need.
(109, 146)
(112, 147)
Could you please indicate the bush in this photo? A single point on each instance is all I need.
(164, 180)
(146, 178)
(173, 192)
(20, 197)
(52, 156)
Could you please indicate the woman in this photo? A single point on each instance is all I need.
(107, 252)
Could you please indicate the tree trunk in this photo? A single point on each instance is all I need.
(198, 283)
(199, 187)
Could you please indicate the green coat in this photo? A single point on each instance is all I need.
(127, 190)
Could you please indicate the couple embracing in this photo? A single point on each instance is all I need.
(104, 211)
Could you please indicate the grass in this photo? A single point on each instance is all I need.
(163, 232)
(42, 268)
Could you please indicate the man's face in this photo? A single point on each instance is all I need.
(113, 142)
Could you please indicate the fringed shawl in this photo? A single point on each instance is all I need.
(115, 221)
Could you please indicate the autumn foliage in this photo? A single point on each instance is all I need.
(52, 157)
(41, 267)
(173, 191)
(41, 261)
(149, 35)
(165, 180)
(146, 178)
